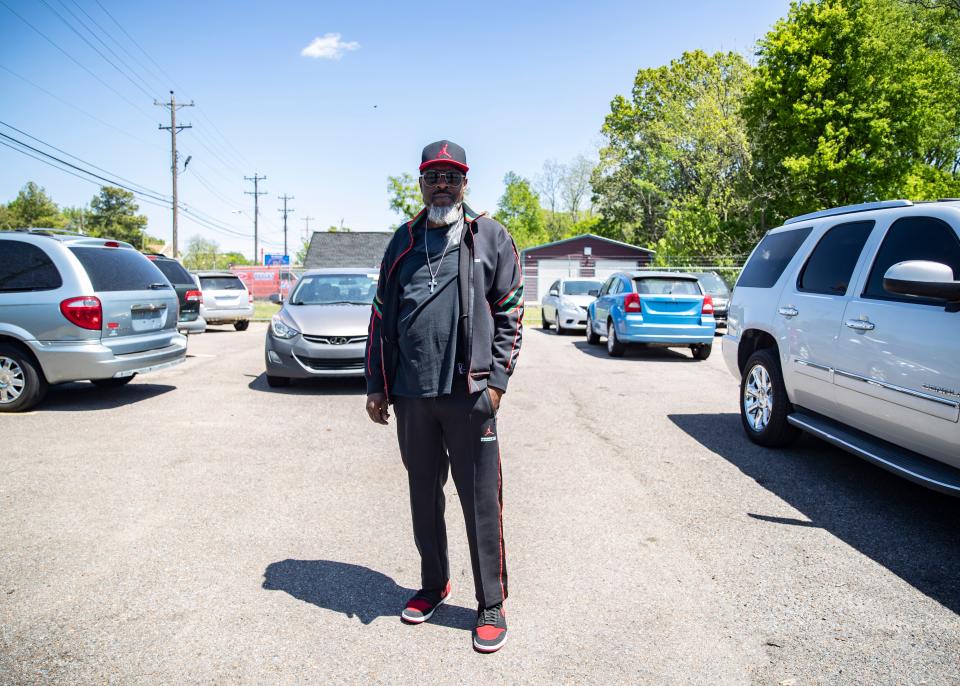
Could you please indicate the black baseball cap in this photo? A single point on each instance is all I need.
(444, 152)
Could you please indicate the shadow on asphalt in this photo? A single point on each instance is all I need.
(354, 591)
(84, 396)
(636, 352)
(910, 530)
(332, 386)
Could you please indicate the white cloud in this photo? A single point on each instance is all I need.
(329, 47)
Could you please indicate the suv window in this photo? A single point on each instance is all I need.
(221, 283)
(771, 258)
(119, 269)
(177, 275)
(25, 267)
(830, 266)
(913, 238)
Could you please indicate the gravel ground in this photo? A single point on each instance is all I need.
(199, 527)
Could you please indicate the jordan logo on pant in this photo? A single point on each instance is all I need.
(488, 435)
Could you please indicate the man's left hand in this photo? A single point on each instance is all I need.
(495, 395)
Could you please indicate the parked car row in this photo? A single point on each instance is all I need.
(77, 308)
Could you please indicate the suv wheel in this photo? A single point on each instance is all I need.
(763, 401)
(592, 337)
(614, 347)
(701, 351)
(22, 384)
(241, 325)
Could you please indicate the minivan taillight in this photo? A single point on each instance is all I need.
(707, 305)
(85, 312)
(249, 297)
(631, 302)
(194, 297)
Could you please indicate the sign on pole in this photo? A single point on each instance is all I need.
(275, 260)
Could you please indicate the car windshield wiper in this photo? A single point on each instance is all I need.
(344, 302)
(157, 286)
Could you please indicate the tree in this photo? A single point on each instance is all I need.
(852, 101)
(301, 257)
(519, 211)
(548, 186)
(33, 208)
(114, 215)
(405, 196)
(676, 157)
(575, 185)
(201, 253)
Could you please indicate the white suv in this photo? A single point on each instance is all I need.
(846, 323)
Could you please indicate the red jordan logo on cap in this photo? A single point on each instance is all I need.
(443, 152)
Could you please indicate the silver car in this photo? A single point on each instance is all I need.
(76, 308)
(565, 303)
(321, 330)
(845, 324)
(225, 299)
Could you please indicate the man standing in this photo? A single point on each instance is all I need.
(445, 332)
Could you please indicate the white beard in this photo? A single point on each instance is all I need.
(444, 214)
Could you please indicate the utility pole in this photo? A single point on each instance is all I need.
(285, 211)
(256, 210)
(174, 129)
(306, 230)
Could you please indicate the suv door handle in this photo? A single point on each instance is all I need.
(860, 324)
(788, 311)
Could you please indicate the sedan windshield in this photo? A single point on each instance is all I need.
(581, 287)
(667, 286)
(332, 289)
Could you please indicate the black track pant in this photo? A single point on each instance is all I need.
(456, 432)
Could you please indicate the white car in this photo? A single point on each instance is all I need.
(565, 303)
(226, 299)
(845, 323)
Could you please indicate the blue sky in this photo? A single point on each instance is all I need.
(514, 83)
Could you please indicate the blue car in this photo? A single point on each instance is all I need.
(652, 308)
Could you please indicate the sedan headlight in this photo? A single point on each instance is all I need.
(281, 329)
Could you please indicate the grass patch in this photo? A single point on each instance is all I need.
(263, 311)
(531, 315)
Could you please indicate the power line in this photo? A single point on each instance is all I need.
(256, 210)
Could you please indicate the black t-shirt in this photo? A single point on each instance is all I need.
(427, 325)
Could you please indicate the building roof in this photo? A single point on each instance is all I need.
(593, 236)
(362, 249)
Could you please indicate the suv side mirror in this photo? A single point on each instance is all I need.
(922, 279)
(554, 292)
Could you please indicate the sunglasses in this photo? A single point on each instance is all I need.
(451, 178)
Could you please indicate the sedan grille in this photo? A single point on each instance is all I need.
(321, 363)
(335, 340)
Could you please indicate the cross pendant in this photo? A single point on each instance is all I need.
(433, 285)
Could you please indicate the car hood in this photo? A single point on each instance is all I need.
(328, 320)
(581, 300)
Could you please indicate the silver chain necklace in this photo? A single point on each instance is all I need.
(426, 246)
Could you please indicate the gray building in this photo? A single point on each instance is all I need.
(347, 249)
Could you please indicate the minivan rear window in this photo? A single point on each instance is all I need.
(666, 286)
(119, 269)
(221, 283)
(771, 257)
(25, 267)
(174, 272)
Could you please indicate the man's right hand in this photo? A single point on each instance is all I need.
(377, 408)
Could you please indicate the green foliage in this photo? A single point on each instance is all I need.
(301, 256)
(7, 218)
(33, 208)
(676, 160)
(114, 215)
(405, 196)
(519, 211)
(852, 101)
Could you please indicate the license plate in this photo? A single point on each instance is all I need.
(147, 320)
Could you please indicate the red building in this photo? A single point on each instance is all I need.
(588, 256)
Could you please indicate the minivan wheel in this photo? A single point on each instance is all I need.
(593, 338)
(764, 405)
(241, 325)
(113, 382)
(22, 384)
(701, 351)
(614, 347)
(278, 381)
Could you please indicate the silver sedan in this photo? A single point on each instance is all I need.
(565, 303)
(321, 330)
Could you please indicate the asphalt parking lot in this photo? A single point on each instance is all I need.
(199, 527)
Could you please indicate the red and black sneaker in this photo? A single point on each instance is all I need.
(491, 631)
(421, 607)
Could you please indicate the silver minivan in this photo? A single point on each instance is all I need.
(226, 299)
(845, 324)
(76, 308)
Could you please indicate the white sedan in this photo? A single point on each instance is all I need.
(565, 303)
